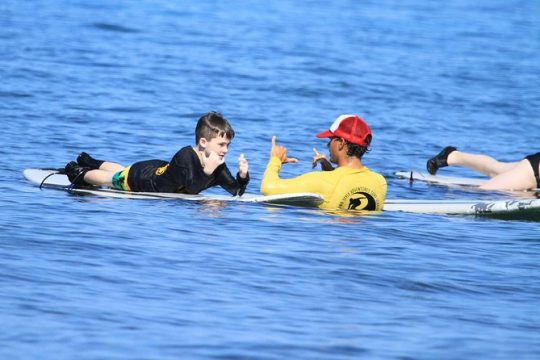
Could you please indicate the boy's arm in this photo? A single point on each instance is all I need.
(191, 178)
(191, 183)
(185, 171)
(195, 184)
(234, 186)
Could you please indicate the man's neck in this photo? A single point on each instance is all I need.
(351, 162)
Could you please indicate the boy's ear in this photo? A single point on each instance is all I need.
(202, 142)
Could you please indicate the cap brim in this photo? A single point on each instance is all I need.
(325, 134)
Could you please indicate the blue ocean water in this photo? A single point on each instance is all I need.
(88, 277)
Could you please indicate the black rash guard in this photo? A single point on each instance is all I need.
(183, 174)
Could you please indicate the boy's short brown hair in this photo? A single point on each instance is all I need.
(211, 125)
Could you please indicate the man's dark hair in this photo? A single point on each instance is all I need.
(212, 125)
(357, 150)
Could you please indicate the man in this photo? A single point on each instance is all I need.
(350, 186)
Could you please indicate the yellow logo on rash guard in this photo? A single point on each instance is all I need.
(161, 170)
(358, 200)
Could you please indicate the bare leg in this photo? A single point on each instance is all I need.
(519, 177)
(99, 177)
(110, 166)
(481, 163)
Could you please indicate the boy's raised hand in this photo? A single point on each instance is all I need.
(281, 153)
(243, 166)
(211, 162)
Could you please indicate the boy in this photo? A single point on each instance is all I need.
(190, 171)
(350, 186)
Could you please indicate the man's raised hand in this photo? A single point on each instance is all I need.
(318, 157)
(281, 153)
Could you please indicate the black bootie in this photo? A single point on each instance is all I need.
(75, 174)
(440, 160)
(85, 160)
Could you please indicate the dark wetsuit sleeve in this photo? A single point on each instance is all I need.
(187, 169)
(184, 174)
(225, 179)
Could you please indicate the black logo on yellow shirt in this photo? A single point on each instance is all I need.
(358, 200)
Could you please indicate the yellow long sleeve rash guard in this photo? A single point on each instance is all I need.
(341, 188)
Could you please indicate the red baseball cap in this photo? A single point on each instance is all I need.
(350, 128)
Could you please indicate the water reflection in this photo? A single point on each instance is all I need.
(212, 208)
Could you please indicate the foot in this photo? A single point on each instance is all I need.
(440, 160)
(85, 160)
(75, 173)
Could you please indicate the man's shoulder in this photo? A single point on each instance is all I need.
(365, 173)
(376, 175)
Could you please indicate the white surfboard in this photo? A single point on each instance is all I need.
(52, 179)
(437, 179)
(515, 208)
(518, 209)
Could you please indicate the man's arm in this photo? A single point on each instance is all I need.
(321, 158)
(272, 184)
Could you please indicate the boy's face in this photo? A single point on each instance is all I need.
(219, 145)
